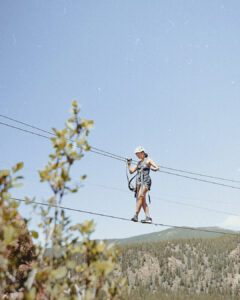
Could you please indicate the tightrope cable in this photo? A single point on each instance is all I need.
(198, 179)
(121, 218)
(53, 134)
(121, 157)
(116, 157)
(180, 203)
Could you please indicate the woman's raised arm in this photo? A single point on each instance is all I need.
(131, 169)
(153, 165)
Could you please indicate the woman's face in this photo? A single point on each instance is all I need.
(140, 155)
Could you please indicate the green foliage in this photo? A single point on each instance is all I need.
(69, 265)
(163, 294)
(183, 268)
(11, 228)
(15, 241)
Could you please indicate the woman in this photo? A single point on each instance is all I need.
(143, 181)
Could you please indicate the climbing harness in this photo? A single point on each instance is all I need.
(130, 186)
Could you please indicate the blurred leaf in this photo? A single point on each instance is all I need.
(34, 234)
(65, 174)
(71, 264)
(81, 141)
(17, 185)
(101, 247)
(59, 273)
(53, 139)
(74, 103)
(87, 124)
(27, 200)
(104, 266)
(79, 268)
(6, 195)
(87, 227)
(87, 148)
(31, 294)
(18, 167)
(9, 234)
(18, 177)
(14, 203)
(4, 173)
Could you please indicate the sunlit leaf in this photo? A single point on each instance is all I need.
(4, 173)
(6, 195)
(59, 273)
(31, 294)
(81, 141)
(71, 264)
(17, 185)
(9, 234)
(18, 167)
(74, 103)
(34, 234)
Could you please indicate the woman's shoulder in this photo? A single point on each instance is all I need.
(148, 160)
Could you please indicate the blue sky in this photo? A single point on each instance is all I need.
(162, 74)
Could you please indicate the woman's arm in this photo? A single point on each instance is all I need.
(131, 169)
(152, 164)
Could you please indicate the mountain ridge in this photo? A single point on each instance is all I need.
(173, 233)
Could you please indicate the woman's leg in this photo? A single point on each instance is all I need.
(144, 203)
(139, 200)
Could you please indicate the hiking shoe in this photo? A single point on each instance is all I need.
(134, 218)
(147, 220)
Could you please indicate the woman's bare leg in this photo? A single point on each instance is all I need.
(142, 201)
(139, 201)
(144, 204)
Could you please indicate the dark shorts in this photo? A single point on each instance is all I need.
(147, 182)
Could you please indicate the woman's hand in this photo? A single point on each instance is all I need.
(131, 169)
(129, 161)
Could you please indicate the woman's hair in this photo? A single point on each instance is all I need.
(145, 154)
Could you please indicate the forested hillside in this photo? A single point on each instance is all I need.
(174, 233)
(198, 268)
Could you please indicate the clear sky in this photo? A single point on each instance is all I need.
(162, 74)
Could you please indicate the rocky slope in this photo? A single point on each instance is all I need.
(191, 266)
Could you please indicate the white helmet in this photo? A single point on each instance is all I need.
(139, 149)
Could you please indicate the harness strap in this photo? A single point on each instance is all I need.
(132, 188)
(141, 176)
